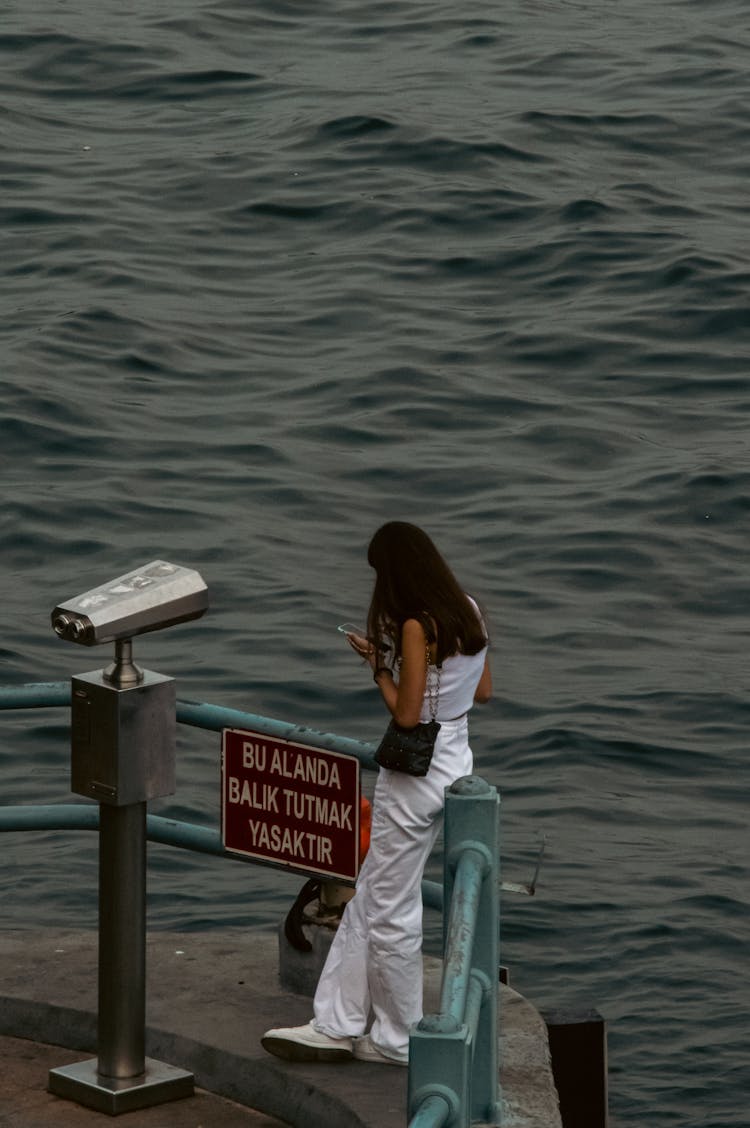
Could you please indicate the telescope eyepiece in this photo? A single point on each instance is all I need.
(149, 598)
(60, 625)
(70, 627)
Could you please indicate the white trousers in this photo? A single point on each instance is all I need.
(374, 965)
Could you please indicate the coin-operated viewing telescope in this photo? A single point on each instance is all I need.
(123, 727)
(123, 752)
(150, 598)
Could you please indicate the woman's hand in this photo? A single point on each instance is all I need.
(364, 648)
(404, 700)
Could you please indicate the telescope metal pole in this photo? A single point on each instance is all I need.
(122, 940)
(122, 916)
(123, 724)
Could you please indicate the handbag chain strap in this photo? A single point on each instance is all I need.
(433, 686)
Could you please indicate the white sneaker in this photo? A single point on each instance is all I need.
(305, 1043)
(364, 1050)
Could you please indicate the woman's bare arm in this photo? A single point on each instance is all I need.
(404, 701)
(483, 692)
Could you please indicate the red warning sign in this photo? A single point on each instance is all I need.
(289, 804)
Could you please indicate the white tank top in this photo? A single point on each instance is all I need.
(459, 677)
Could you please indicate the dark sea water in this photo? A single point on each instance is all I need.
(273, 273)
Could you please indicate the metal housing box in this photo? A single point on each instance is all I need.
(123, 741)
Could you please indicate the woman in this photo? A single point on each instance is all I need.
(427, 649)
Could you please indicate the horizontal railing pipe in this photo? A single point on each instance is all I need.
(218, 717)
(432, 895)
(167, 832)
(84, 816)
(434, 1112)
(34, 695)
(199, 714)
(54, 816)
(81, 816)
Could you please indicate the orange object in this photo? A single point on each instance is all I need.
(365, 826)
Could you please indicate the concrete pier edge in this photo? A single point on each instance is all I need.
(212, 994)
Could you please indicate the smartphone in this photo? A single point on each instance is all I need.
(351, 629)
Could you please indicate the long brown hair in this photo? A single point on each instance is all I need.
(413, 581)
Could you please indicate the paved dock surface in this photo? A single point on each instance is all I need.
(25, 1102)
(210, 996)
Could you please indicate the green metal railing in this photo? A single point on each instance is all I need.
(39, 695)
(459, 1044)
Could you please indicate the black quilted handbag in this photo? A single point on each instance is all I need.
(410, 749)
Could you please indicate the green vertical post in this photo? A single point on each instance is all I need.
(440, 1067)
(472, 821)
